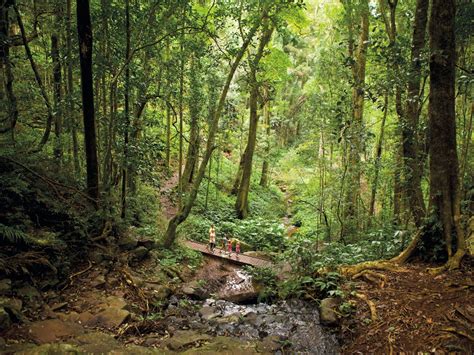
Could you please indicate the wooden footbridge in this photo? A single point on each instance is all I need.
(233, 257)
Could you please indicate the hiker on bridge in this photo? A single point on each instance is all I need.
(224, 244)
(212, 238)
(229, 247)
(237, 249)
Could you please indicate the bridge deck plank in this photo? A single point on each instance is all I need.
(219, 253)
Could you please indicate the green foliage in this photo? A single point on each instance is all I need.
(320, 287)
(179, 256)
(266, 278)
(258, 233)
(303, 254)
(13, 235)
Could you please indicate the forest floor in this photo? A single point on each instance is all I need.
(102, 310)
(415, 311)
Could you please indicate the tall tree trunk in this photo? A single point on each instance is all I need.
(57, 97)
(410, 125)
(355, 147)
(126, 110)
(238, 176)
(6, 66)
(70, 89)
(444, 169)
(185, 209)
(266, 120)
(192, 154)
(84, 30)
(241, 203)
(168, 137)
(180, 114)
(378, 156)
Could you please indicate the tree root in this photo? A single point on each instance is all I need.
(353, 270)
(373, 310)
(372, 276)
(105, 232)
(453, 263)
(459, 332)
(405, 254)
(71, 277)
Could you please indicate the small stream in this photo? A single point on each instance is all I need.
(293, 322)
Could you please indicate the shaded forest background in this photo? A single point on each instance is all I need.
(350, 120)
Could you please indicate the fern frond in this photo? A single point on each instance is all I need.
(13, 235)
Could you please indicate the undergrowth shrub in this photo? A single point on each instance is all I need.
(261, 231)
(303, 254)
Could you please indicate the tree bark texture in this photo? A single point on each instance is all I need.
(413, 166)
(84, 30)
(241, 204)
(70, 89)
(57, 97)
(126, 111)
(6, 67)
(444, 170)
(192, 154)
(355, 143)
(378, 157)
(266, 120)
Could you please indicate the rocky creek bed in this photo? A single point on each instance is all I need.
(184, 325)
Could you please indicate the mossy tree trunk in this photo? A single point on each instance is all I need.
(241, 204)
(351, 210)
(192, 154)
(413, 170)
(266, 120)
(444, 170)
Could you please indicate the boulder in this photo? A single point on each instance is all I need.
(127, 242)
(97, 343)
(51, 349)
(81, 318)
(51, 330)
(139, 253)
(160, 292)
(116, 302)
(193, 290)
(183, 339)
(239, 288)
(109, 318)
(225, 345)
(327, 311)
(208, 313)
(98, 281)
